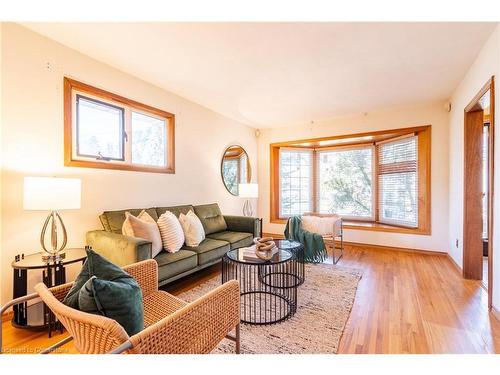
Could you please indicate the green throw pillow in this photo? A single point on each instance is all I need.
(120, 300)
(95, 265)
(116, 281)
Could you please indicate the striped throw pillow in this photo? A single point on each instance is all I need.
(171, 232)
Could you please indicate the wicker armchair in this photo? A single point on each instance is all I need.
(172, 325)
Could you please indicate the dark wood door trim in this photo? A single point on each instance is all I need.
(472, 112)
(473, 242)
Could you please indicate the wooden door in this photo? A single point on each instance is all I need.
(473, 196)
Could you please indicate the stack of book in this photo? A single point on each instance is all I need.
(248, 253)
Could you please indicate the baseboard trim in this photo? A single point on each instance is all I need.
(374, 247)
(455, 265)
(495, 313)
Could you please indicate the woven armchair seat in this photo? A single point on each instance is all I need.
(159, 304)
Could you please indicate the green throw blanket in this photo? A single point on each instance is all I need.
(314, 247)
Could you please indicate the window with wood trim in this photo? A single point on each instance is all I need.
(398, 181)
(105, 130)
(295, 181)
(378, 180)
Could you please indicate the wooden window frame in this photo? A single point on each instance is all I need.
(423, 169)
(312, 190)
(319, 150)
(71, 87)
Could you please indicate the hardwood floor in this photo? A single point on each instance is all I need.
(406, 303)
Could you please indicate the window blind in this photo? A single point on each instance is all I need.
(295, 181)
(398, 181)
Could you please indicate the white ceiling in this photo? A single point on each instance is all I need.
(273, 74)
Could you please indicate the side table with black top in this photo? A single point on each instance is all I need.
(53, 274)
(268, 289)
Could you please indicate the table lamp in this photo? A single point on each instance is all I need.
(52, 194)
(248, 191)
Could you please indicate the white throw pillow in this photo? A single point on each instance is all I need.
(193, 228)
(171, 232)
(147, 229)
(127, 228)
(320, 225)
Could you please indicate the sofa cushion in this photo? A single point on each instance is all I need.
(172, 264)
(176, 210)
(211, 218)
(236, 239)
(115, 219)
(209, 250)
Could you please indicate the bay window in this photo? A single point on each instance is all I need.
(378, 180)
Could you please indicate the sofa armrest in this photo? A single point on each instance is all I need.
(119, 249)
(243, 224)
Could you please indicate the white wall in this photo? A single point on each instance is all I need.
(432, 113)
(1, 163)
(32, 145)
(485, 66)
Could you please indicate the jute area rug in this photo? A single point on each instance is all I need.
(324, 304)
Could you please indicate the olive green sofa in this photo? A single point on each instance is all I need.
(222, 233)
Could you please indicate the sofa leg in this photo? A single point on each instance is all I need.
(238, 339)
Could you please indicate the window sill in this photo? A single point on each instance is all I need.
(122, 167)
(377, 227)
(357, 225)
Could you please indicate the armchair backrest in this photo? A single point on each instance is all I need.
(327, 224)
(146, 274)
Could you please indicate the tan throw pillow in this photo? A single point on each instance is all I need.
(146, 229)
(127, 228)
(171, 232)
(193, 229)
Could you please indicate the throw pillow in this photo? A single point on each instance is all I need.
(148, 230)
(193, 229)
(95, 265)
(319, 225)
(120, 300)
(171, 232)
(127, 227)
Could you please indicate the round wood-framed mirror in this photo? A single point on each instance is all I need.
(235, 168)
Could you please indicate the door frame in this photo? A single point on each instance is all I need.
(470, 108)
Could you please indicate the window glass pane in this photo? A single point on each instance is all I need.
(99, 129)
(149, 140)
(345, 182)
(295, 184)
(398, 198)
(243, 168)
(230, 173)
(398, 182)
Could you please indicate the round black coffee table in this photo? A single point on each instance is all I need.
(268, 289)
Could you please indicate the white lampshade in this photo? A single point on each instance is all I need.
(248, 190)
(52, 194)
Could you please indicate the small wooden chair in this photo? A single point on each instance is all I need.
(334, 237)
(172, 326)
